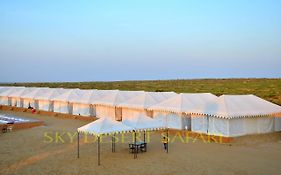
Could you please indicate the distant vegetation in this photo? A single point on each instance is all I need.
(269, 89)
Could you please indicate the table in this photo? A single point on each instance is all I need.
(138, 146)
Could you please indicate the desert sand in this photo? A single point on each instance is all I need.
(36, 151)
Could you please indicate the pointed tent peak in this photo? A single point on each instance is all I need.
(143, 122)
(87, 96)
(10, 91)
(114, 98)
(69, 95)
(49, 94)
(18, 92)
(184, 102)
(34, 93)
(104, 126)
(142, 100)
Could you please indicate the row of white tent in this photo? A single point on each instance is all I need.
(226, 115)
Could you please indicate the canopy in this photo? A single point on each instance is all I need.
(144, 100)
(104, 126)
(184, 102)
(235, 106)
(143, 122)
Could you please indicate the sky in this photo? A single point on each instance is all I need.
(109, 40)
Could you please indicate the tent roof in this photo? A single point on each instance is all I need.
(114, 98)
(5, 88)
(34, 93)
(49, 94)
(69, 95)
(144, 123)
(10, 91)
(144, 100)
(88, 96)
(184, 102)
(236, 106)
(19, 92)
(104, 126)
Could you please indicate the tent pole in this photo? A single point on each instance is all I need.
(114, 142)
(78, 145)
(167, 150)
(111, 143)
(99, 150)
(135, 151)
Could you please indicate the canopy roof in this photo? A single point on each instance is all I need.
(68, 95)
(184, 102)
(104, 126)
(235, 106)
(143, 123)
(115, 97)
(145, 100)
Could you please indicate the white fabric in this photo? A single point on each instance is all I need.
(233, 127)
(105, 111)
(131, 113)
(104, 126)
(199, 124)
(217, 126)
(144, 100)
(28, 101)
(184, 102)
(62, 107)
(81, 109)
(143, 122)
(236, 127)
(173, 120)
(44, 105)
(114, 98)
(4, 100)
(235, 106)
(277, 124)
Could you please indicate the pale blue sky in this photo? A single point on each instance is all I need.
(126, 40)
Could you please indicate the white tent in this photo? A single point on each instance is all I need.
(62, 102)
(237, 115)
(29, 97)
(138, 105)
(101, 127)
(44, 98)
(175, 111)
(15, 95)
(82, 106)
(106, 104)
(4, 93)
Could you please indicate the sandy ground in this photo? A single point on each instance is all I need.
(30, 151)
